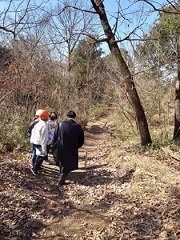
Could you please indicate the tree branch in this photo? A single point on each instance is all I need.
(161, 10)
(8, 30)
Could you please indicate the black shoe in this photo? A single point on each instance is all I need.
(34, 172)
(62, 182)
(40, 169)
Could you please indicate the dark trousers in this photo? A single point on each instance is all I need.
(46, 157)
(63, 174)
(39, 160)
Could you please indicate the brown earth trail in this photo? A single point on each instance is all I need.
(100, 201)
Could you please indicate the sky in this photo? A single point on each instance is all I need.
(111, 7)
(136, 14)
(138, 11)
(133, 13)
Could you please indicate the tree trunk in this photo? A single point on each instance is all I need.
(176, 134)
(126, 74)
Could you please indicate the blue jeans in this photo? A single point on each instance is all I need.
(33, 157)
(40, 157)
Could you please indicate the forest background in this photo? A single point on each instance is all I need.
(117, 64)
(89, 56)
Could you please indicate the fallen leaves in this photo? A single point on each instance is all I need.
(124, 195)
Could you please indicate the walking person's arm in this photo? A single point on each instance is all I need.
(44, 139)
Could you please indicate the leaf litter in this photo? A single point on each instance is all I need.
(122, 193)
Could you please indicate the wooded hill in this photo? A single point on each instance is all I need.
(53, 58)
(119, 70)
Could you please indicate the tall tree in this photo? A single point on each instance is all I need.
(176, 134)
(126, 75)
(87, 66)
(67, 26)
(162, 52)
(169, 32)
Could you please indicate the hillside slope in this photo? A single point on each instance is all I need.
(122, 193)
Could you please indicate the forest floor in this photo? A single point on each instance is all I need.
(122, 193)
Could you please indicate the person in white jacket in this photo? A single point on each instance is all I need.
(39, 140)
(29, 130)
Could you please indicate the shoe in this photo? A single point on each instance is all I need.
(40, 169)
(62, 182)
(34, 172)
(47, 162)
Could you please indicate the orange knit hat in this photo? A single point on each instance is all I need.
(44, 114)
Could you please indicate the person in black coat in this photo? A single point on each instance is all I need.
(68, 138)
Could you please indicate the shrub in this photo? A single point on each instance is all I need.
(13, 134)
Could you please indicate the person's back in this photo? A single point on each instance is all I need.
(31, 126)
(39, 139)
(52, 122)
(39, 135)
(71, 137)
(29, 131)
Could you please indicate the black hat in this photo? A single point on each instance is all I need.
(71, 114)
(53, 116)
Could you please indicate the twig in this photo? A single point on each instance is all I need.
(171, 153)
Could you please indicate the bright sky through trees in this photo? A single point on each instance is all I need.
(132, 14)
(135, 18)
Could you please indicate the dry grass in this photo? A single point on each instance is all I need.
(151, 176)
(126, 192)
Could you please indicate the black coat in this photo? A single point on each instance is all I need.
(71, 137)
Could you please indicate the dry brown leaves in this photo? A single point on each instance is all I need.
(122, 194)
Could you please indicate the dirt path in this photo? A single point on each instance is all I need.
(37, 208)
(99, 201)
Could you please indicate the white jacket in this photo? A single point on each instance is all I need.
(39, 135)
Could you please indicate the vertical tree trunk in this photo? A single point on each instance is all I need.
(125, 72)
(176, 134)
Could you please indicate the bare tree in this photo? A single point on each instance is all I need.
(65, 29)
(126, 75)
(19, 16)
(72, 20)
(176, 134)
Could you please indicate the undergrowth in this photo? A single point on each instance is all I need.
(13, 131)
(13, 134)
